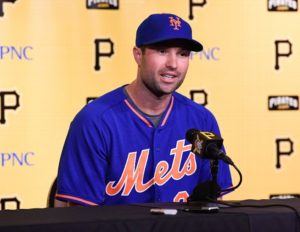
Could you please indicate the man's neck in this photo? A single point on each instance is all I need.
(146, 101)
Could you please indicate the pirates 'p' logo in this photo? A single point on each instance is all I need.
(175, 23)
(1, 6)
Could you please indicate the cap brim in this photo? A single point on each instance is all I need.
(195, 46)
(189, 44)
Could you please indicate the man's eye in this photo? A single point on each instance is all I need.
(162, 51)
(186, 53)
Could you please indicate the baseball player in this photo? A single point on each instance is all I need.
(129, 146)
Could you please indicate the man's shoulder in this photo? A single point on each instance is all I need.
(190, 104)
(97, 107)
(109, 99)
(195, 113)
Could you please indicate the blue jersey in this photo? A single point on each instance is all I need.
(113, 154)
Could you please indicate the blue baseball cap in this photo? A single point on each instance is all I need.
(158, 28)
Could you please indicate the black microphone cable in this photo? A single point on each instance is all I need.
(239, 183)
(239, 205)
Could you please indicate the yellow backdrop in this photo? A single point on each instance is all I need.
(49, 68)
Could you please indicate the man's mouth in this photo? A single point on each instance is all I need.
(169, 75)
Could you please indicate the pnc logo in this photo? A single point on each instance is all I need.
(175, 23)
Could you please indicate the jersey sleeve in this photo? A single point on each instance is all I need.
(83, 163)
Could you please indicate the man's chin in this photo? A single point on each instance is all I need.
(164, 92)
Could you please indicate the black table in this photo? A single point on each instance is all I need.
(138, 218)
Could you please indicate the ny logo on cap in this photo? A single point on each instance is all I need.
(175, 22)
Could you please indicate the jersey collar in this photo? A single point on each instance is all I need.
(144, 118)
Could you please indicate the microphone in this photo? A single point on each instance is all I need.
(207, 145)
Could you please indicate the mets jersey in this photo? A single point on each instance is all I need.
(113, 154)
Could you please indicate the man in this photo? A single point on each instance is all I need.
(128, 146)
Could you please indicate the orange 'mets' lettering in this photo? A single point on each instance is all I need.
(133, 176)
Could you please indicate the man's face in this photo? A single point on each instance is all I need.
(162, 68)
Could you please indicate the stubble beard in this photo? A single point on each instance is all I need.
(156, 90)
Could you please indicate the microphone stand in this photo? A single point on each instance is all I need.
(207, 191)
(215, 190)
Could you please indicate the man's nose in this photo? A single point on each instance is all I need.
(171, 61)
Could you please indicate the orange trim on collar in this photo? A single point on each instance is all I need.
(138, 114)
(144, 119)
(169, 111)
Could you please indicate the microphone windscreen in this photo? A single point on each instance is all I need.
(190, 135)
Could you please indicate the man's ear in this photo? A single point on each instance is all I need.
(137, 53)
